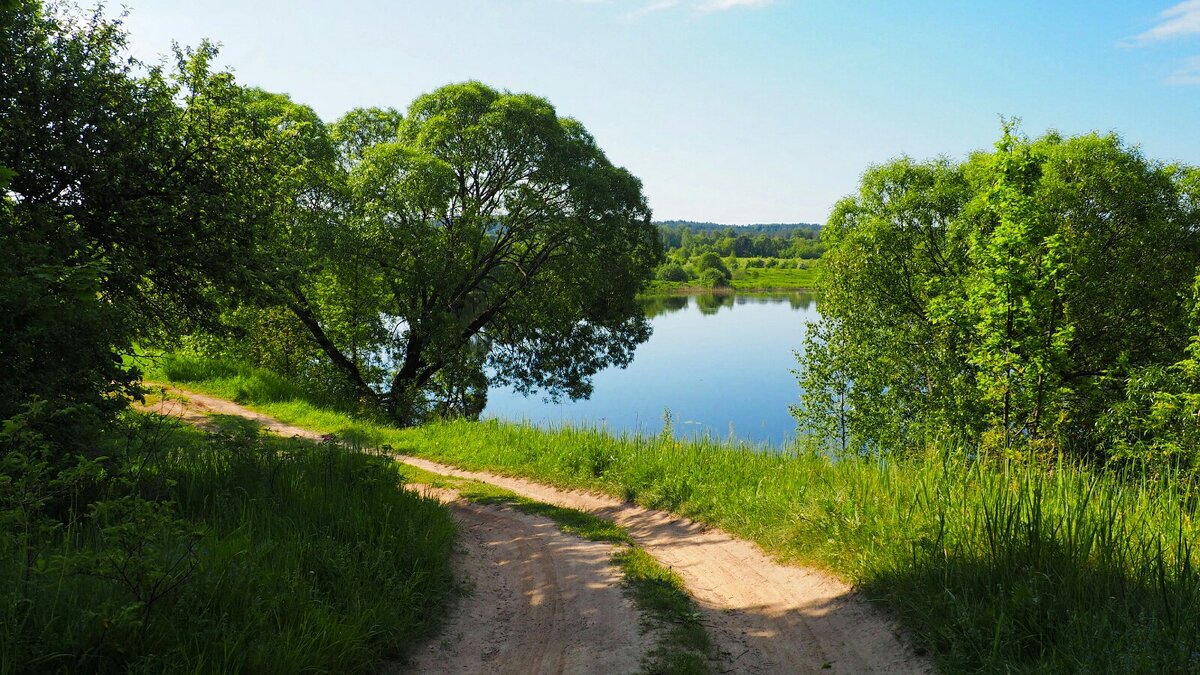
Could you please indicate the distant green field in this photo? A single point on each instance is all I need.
(746, 278)
(775, 278)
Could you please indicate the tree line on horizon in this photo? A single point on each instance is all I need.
(684, 239)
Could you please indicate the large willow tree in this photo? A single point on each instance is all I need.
(1005, 301)
(478, 239)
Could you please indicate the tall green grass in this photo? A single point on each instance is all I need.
(993, 567)
(234, 553)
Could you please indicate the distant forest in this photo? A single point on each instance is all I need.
(766, 240)
(771, 229)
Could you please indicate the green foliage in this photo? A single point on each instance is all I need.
(747, 246)
(751, 275)
(1005, 301)
(673, 272)
(233, 553)
(797, 240)
(100, 154)
(478, 239)
(713, 278)
(710, 266)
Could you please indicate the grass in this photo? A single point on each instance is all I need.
(993, 567)
(658, 592)
(229, 553)
(773, 278)
(752, 279)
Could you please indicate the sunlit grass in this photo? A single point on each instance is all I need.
(993, 567)
(789, 278)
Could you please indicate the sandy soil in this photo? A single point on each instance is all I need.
(537, 601)
(765, 617)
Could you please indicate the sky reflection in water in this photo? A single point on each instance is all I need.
(720, 363)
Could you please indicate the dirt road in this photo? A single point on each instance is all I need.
(536, 601)
(763, 616)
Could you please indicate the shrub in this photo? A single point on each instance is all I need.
(673, 272)
(713, 278)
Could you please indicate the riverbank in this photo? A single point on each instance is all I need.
(992, 567)
(747, 280)
(531, 589)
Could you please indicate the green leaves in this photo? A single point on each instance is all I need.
(479, 238)
(1002, 300)
(399, 188)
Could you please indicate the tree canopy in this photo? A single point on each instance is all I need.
(125, 209)
(409, 259)
(1005, 300)
(478, 239)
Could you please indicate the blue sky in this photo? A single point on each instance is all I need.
(736, 111)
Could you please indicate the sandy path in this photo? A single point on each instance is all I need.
(537, 601)
(764, 617)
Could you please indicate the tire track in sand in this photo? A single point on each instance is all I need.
(537, 601)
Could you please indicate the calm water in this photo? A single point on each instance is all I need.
(721, 364)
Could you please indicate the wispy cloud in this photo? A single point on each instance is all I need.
(718, 5)
(1177, 21)
(1187, 74)
(1181, 20)
(698, 6)
(651, 8)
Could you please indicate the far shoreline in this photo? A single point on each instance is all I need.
(690, 290)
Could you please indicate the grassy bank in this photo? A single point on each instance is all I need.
(776, 278)
(227, 553)
(993, 567)
(751, 279)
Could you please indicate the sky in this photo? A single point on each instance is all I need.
(735, 111)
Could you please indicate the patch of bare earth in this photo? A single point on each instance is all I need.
(536, 601)
(764, 617)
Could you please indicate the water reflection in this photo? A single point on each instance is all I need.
(721, 363)
(664, 304)
(711, 303)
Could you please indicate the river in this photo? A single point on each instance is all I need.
(722, 365)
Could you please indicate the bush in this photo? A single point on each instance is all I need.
(673, 272)
(712, 261)
(713, 278)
